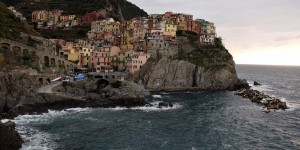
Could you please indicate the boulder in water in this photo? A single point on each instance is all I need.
(256, 83)
(164, 105)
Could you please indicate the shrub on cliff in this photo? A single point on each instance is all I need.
(11, 26)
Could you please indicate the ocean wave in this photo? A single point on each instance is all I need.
(156, 96)
(35, 139)
(153, 107)
(164, 93)
(292, 105)
(262, 88)
(5, 120)
(47, 117)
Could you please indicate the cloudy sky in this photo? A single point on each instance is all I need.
(254, 31)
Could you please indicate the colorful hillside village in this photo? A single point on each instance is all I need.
(124, 46)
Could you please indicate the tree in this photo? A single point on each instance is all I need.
(81, 33)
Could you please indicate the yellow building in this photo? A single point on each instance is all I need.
(170, 29)
(73, 57)
(112, 27)
(64, 18)
(126, 41)
(182, 26)
(123, 55)
(85, 55)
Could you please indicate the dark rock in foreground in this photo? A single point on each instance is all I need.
(9, 137)
(256, 83)
(262, 99)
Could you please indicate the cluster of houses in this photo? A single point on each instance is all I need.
(53, 19)
(127, 45)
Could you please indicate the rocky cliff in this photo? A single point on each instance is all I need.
(197, 68)
(21, 93)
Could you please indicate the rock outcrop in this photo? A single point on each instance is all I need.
(20, 94)
(256, 83)
(9, 137)
(194, 67)
(262, 99)
(169, 73)
(177, 75)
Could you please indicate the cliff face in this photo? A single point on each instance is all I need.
(193, 68)
(176, 74)
(169, 73)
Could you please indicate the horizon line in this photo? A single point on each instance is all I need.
(290, 65)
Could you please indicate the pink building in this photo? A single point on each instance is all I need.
(105, 58)
(136, 61)
(110, 38)
(197, 26)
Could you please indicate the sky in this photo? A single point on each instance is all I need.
(254, 31)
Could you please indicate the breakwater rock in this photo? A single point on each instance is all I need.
(9, 137)
(262, 99)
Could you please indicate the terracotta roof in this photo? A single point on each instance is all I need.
(123, 51)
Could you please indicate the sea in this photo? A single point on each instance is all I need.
(198, 120)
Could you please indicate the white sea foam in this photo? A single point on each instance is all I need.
(262, 88)
(154, 107)
(164, 93)
(296, 142)
(156, 96)
(36, 139)
(47, 117)
(5, 120)
(292, 105)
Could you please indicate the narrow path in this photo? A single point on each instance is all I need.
(48, 88)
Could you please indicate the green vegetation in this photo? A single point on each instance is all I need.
(208, 56)
(191, 36)
(11, 26)
(77, 32)
(114, 7)
(10, 59)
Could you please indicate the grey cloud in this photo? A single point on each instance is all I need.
(245, 25)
